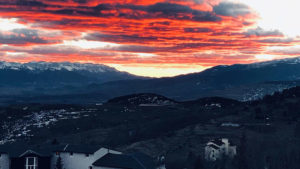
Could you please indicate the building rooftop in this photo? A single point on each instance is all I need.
(126, 161)
(85, 149)
(17, 150)
(217, 142)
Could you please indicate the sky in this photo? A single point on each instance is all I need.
(154, 38)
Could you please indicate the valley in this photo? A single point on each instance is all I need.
(55, 83)
(159, 126)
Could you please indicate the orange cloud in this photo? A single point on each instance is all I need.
(154, 33)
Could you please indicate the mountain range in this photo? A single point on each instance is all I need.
(48, 73)
(93, 83)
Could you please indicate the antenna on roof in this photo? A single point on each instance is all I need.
(66, 147)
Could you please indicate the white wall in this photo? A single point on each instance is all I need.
(79, 161)
(211, 154)
(4, 161)
(226, 146)
(232, 151)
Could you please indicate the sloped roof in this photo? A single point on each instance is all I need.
(218, 142)
(214, 146)
(17, 150)
(145, 159)
(126, 161)
(85, 149)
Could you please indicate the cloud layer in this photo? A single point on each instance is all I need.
(187, 35)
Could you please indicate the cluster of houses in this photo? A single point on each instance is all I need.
(70, 157)
(219, 148)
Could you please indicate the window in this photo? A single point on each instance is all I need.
(31, 163)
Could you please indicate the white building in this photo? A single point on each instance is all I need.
(72, 157)
(4, 161)
(216, 149)
(80, 156)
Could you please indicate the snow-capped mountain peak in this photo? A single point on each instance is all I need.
(52, 66)
(295, 60)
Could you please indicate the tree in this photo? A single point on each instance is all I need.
(297, 130)
(259, 114)
(54, 142)
(59, 164)
(242, 157)
(199, 163)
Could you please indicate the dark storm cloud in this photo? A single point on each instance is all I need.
(231, 9)
(277, 40)
(54, 50)
(23, 3)
(44, 7)
(158, 10)
(119, 38)
(21, 37)
(101, 7)
(261, 32)
(32, 3)
(197, 30)
(84, 11)
(80, 1)
(160, 23)
(170, 10)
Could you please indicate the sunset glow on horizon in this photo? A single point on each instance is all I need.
(150, 38)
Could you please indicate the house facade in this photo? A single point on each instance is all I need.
(30, 160)
(216, 149)
(4, 161)
(80, 157)
(18, 157)
(46, 157)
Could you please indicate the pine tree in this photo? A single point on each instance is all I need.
(59, 164)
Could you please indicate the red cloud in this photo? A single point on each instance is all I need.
(185, 32)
